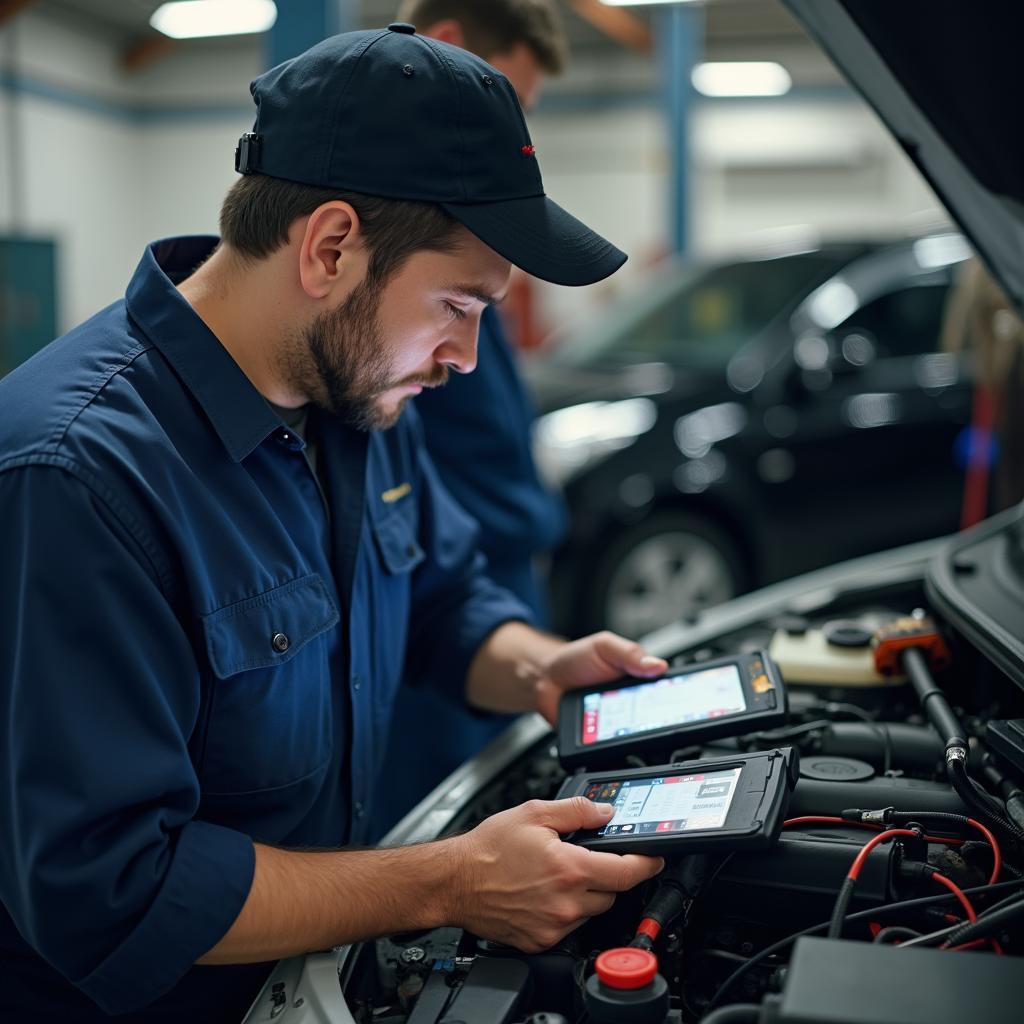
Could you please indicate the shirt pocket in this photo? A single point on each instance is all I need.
(396, 538)
(270, 713)
(397, 554)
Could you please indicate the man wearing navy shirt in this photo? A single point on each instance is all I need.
(224, 546)
(478, 429)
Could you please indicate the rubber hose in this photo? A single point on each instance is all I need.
(738, 1013)
(986, 925)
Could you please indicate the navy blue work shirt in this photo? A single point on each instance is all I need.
(478, 431)
(196, 651)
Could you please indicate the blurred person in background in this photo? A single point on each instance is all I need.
(223, 541)
(478, 427)
(981, 320)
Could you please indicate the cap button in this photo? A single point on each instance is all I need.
(626, 968)
(402, 26)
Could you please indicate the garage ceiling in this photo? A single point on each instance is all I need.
(732, 25)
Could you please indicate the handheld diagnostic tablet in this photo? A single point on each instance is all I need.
(734, 803)
(600, 725)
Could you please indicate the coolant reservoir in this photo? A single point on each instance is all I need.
(840, 653)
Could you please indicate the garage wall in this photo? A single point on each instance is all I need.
(65, 154)
(105, 161)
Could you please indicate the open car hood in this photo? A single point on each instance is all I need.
(943, 78)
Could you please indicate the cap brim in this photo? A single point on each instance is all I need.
(538, 236)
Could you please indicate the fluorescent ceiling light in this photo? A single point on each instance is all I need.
(192, 19)
(741, 78)
(642, 3)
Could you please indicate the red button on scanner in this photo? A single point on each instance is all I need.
(626, 967)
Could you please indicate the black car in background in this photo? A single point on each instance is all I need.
(751, 419)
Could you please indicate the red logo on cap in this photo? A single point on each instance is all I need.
(528, 150)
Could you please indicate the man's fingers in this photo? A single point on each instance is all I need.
(612, 872)
(594, 904)
(628, 656)
(570, 815)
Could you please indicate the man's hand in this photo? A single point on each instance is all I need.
(594, 659)
(519, 884)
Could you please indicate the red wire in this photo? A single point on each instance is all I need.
(969, 911)
(958, 893)
(997, 856)
(808, 819)
(882, 837)
(815, 819)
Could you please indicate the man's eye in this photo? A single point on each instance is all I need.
(456, 313)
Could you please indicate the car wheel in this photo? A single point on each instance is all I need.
(669, 566)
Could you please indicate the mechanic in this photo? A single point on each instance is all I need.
(206, 604)
(478, 428)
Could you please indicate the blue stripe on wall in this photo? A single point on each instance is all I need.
(552, 103)
(117, 110)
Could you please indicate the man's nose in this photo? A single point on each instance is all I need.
(458, 350)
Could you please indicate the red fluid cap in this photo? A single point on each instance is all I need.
(626, 967)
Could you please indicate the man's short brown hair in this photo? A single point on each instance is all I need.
(496, 26)
(258, 211)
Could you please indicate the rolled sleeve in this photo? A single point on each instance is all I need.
(455, 605)
(206, 884)
(103, 867)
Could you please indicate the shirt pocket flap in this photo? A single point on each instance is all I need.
(269, 629)
(397, 542)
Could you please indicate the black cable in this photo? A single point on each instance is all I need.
(678, 886)
(937, 708)
(933, 701)
(789, 732)
(879, 727)
(934, 938)
(921, 901)
(723, 954)
(835, 925)
(895, 931)
(985, 926)
(984, 805)
(997, 906)
(738, 1013)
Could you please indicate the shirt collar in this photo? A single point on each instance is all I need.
(239, 413)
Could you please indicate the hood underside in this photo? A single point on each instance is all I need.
(944, 77)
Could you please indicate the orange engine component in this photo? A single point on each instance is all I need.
(909, 631)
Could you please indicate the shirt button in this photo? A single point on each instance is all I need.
(280, 642)
(358, 809)
(357, 682)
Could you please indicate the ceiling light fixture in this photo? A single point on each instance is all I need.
(194, 19)
(643, 3)
(741, 78)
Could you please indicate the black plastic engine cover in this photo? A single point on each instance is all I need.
(812, 796)
(493, 991)
(834, 982)
(810, 862)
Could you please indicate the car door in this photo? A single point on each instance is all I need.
(876, 411)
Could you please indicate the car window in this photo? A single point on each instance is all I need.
(906, 322)
(711, 314)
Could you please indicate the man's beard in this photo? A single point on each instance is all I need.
(352, 366)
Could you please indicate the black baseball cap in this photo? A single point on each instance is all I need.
(394, 114)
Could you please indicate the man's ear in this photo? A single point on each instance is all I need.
(448, 31)
(330, 237)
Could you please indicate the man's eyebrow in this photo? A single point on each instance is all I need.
(475, 292)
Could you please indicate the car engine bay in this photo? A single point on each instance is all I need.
(867, 743)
